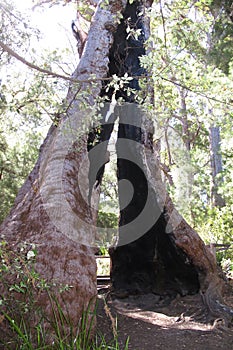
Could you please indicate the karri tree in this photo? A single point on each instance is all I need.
(156, 250)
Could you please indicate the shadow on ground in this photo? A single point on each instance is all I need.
(152, 322)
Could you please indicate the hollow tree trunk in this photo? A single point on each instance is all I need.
(52, 209)
(157, 250)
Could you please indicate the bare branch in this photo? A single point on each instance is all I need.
(52, 3)
(199, 93)
(31, 65)
(164, 25)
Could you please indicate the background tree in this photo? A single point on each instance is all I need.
(186, 87)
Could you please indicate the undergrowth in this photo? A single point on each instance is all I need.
(23, 323)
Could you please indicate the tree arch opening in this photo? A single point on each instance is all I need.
(145, 257)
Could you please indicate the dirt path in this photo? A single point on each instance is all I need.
(152, 323)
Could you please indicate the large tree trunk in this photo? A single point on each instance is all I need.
(52, 209)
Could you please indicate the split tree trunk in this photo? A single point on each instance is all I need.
(158, 252)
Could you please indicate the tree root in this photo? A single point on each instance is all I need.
(213, 301)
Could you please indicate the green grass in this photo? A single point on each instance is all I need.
(25, 337)
(23, 340)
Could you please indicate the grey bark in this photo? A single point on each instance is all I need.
(217, 199)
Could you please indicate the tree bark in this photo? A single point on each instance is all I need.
(216, 166)
(51, 209)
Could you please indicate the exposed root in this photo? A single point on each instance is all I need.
(219, 323)
(113, 320)
(213, 300)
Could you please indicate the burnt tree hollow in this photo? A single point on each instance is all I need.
(146, 259)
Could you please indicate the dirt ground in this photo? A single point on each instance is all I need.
(151, 322)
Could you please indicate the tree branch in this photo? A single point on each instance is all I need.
(31, 65)
(7, 49)
(164, 25)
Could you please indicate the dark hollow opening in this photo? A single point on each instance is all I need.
(150, 261)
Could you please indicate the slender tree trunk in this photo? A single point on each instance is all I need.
(215, 152)
(216, 166)
(184, 119)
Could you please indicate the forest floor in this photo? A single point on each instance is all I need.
(166, 324)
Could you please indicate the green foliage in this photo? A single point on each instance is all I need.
(103, 264)
(18, 140)
(221, 49)
(29, 102)
(108, 213)
(106, 219)
(16, 161)
(15, 30)
(216, 227)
